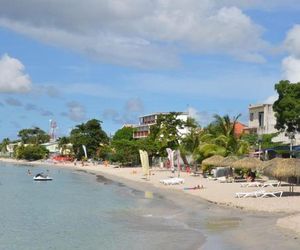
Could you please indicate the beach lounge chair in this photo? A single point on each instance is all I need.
(277, 194)
(271, 184)
(172, 181)
(251, 184)
(255, 194)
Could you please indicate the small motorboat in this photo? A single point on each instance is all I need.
(42, 177)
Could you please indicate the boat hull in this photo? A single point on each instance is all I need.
(42, 179)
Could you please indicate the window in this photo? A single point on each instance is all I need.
(261, 119)
(251, 117)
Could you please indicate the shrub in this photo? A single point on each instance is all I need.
(31, 152)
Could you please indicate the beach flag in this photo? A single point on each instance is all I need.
(84, 150)
(171, 157)
(145, 161)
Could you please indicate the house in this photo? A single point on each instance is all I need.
(262, 121)
(52, 146)
(145, 122)
(239, 129)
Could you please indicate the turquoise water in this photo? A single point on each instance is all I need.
(79, 210)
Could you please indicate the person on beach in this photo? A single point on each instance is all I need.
(251, 176)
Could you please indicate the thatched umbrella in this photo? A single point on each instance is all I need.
(247, 162)
(271, 163)
(228, 161)
(213, 160)
(282, 168)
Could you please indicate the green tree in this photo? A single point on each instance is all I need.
(219, 139)
(31, 152)
(287, 107)
(124, 133)
(166, 132)
(125, 151)
(33, 136)
(89, 134)
(5, 142)
(266, 140)
(124, 147)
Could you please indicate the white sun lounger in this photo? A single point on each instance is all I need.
(259, 193)
(256, 194)
(251, 184)
(172, 181)
(271, 184)
(277, 194)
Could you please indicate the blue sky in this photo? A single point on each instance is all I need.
(116, 60)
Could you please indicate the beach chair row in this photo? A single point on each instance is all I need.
(259, 193)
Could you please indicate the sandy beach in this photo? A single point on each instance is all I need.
(222, 194)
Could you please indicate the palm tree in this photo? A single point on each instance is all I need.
(4, 144)
(219, 139)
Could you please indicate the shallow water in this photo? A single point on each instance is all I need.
(79, 210)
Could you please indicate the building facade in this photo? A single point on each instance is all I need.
(262, 121)
(145, 122)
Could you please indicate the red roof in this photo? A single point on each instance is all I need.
(239, 128)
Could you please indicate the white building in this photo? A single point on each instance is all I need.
(262, 121)
(143, 129)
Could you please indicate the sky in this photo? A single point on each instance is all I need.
(115, 60)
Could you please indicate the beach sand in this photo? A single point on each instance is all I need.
(288, 206)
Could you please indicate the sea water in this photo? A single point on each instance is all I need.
(82, 211)
(79, 210)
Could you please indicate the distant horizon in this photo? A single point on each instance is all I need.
(127, 58)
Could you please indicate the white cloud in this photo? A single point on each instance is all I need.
(139, 33)
(291, 69)
(291, 63)
(263, 4)
(271, 99)
(202, 117)
(292, 41)
(12, 76)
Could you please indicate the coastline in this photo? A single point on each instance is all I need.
(221, 194)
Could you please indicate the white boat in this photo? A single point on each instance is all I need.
(41, 177)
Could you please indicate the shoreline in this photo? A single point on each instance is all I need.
(220, 194)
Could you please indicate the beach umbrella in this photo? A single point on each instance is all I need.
(248, 162)
(271, 163)
(228, 161)
(282, 168)
(213, 160)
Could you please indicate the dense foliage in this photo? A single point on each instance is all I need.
(166, 132)
(218, 138)
(33, 136)
(89, 134)
(287, 107)
(265, 141)
(31, 152)
(3, 145)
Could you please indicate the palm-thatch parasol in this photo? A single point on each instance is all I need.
(228, 161)
(282, 168)
(271, 163)
(213, 160)
(248, 162)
